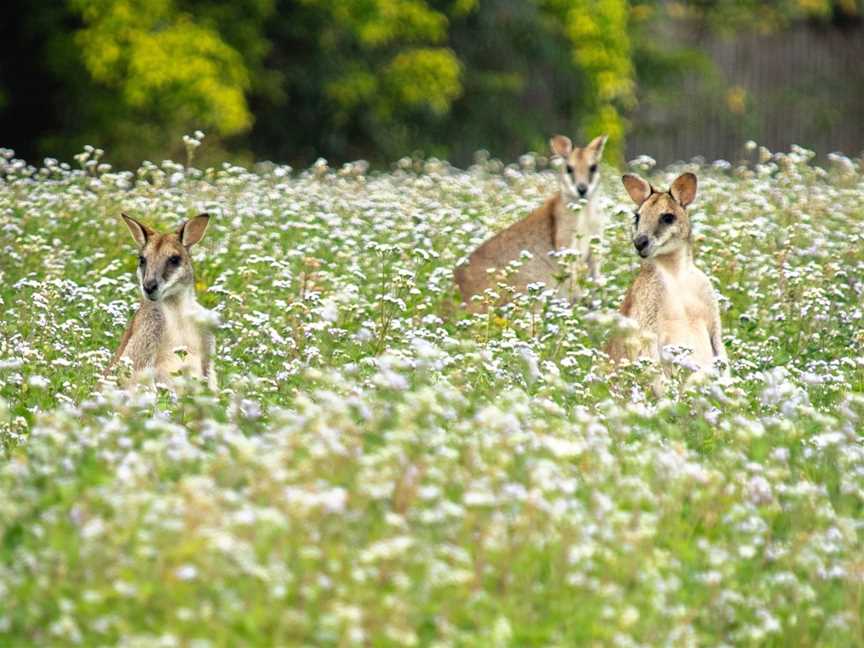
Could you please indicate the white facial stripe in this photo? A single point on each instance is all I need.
(140, 278)
(172, 280)
(665, 246)
(569, 184)
(179, 277)
(164, 286)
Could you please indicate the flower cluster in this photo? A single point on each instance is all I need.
(380, 467)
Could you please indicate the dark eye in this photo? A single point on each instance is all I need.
(635, 218)
(593, 168)
(569, 168)
(141, 260)
(174, 260)
(667, 219)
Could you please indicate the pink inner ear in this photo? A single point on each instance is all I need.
(187, 236)
(561, 145)
(140, 232)
(684, 189)
(193, 230)
(597, 144)
(637, 188)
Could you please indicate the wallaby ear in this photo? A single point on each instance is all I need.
(193, 230)
(638, 188)
(140, 232)
(684, 189)
(596, 146)
(561, 145)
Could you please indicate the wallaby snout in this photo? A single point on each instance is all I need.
(150, 287)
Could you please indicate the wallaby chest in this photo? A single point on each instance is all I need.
(581, 226)
(684, 315)
(181, 344)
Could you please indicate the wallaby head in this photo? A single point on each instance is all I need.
(164, 262)
(660, 224)
(581, 170)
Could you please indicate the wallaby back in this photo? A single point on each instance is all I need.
(534, 234)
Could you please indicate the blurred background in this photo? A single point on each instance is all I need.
(290, 81)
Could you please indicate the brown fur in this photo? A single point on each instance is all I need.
(535, 234)
(548, 228)
(169, 315)
(671, 300)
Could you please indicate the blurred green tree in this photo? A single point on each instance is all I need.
(357, 75)
(600, 33)
(520, 83)
(168, 70)
(294, 79)
(382, 79)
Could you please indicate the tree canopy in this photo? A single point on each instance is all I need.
(366, 78)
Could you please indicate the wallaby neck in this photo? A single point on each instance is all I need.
(180, 300)
(571, 206)
(675, 263)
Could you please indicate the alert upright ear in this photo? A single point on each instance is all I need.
(140, 232)
(596, 147)
(193, 230)
(636, 187)
(561, 145)
(684, 189)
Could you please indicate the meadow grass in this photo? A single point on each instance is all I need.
(379, 467)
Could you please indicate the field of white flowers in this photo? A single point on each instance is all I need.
(380, 468)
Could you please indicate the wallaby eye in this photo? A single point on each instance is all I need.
(141, 260)
(593, 168)
(569, 168)
(635, 218)
(174, 260)
(667, 219)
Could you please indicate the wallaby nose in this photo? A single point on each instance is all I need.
(582, 189)
(641, 242)
(150, 286)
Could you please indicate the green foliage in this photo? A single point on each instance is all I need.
(382, 59)
(414, 78)
(161, 61)
(377, 23)
(520, 84)
(426, 76)
(600, 33)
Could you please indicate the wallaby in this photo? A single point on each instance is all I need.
(671, 300)
(550, 228)
(170, 331)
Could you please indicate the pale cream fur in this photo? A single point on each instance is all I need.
(170, 332)
(671, 300)
(552, 227)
